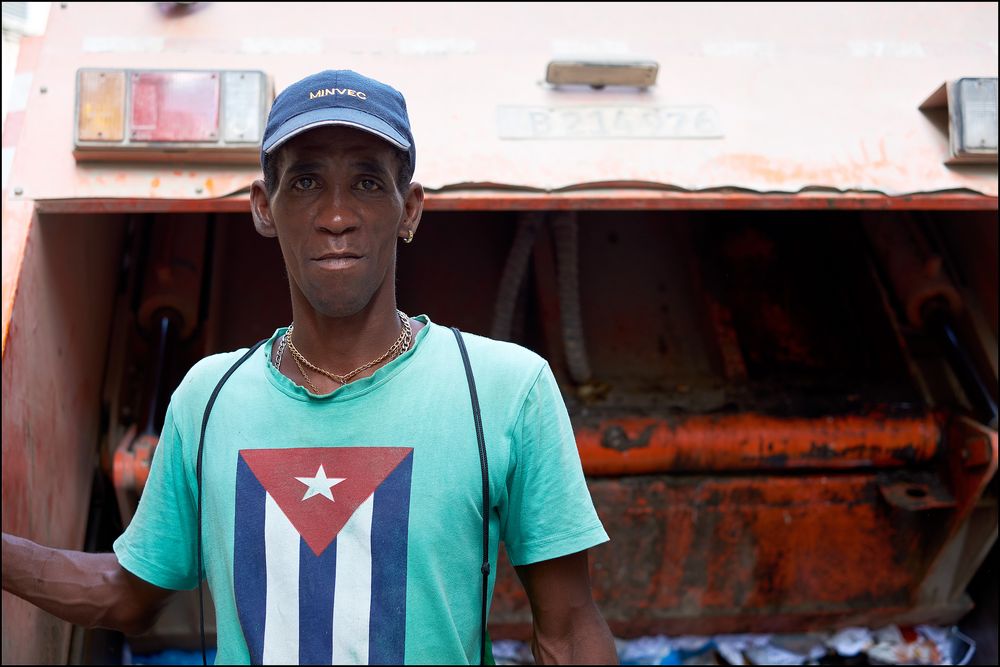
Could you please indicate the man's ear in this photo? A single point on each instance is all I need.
(413, 208)
(260, 207)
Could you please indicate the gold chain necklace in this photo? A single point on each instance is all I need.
(401, 345)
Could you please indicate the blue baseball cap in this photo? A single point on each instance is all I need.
(339, 97)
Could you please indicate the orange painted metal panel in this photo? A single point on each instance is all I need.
(972, 464)
(755, 442)
(17, 216)
(605, 200)
(53, 368)
(761, 553)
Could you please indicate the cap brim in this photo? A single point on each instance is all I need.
(335, 116)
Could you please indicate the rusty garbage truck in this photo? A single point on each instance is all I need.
(757, 244)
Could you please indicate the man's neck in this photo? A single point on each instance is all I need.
(341, 344)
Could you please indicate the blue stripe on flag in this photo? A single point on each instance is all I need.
(249, 566)
(390, 528)
(317, 576)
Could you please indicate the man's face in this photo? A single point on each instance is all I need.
(337, 212)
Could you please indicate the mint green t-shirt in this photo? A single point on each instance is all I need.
(347, 527)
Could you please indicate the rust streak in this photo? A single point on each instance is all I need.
(755, 442)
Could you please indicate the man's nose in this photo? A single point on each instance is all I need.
(338, 214)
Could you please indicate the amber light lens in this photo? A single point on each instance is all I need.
(101, 104)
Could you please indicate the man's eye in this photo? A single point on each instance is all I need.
(304, 183)
(368, 185)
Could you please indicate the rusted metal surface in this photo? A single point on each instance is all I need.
(917, 493)
(17, 211)
(565, 232)
(975, 244)
(17, 217)
(598, 200)
(760, 553)
(53, 360)
(243, 261)
(739, 354)
(970, 530)
(755, 442)
(627, 199)
(173, 277)
(916, 272)
(130, 470)
(972, 463)
(728, 312)
(514, 273)
(819, 98)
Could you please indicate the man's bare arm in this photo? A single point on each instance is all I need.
(568, 627)
(86, 589)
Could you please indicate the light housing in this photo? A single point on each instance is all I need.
(176, 115)
(966, 110)
(600, 73)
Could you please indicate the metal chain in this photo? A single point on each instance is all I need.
(281, 346)
(400, 346)
(305, 377)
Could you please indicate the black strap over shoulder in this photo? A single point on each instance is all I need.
(201, 449)
(477, 417)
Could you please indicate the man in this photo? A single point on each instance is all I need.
(341, 480)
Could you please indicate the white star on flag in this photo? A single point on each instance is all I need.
(320, 484)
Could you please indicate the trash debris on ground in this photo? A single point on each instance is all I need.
(510, 652)
(891, 645)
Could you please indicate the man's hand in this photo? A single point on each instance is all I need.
(87, 589)
(568, 627)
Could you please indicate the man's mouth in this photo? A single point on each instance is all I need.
(338, 260)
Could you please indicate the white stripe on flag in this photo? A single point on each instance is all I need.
(281, 626)
(353, 588)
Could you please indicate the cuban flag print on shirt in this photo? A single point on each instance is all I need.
(320, 554)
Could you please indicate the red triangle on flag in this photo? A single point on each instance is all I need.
(317, 518)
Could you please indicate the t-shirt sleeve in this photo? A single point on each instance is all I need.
(550, 512)
(159, 544)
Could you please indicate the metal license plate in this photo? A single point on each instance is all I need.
(608, 122)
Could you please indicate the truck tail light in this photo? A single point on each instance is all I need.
(966, 109)
(244, 92)
(174, 106)
(100, 106)
(177, 115)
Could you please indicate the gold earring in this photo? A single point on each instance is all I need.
(409, 237)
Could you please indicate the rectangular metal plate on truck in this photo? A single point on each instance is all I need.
(608, 122)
